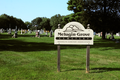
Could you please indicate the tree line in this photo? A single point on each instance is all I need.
(7, 21)
(102, 15)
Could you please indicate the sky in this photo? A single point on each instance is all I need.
(28, 10)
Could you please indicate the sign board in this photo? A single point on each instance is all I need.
(73, 33)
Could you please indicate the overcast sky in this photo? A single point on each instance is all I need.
(28, 10)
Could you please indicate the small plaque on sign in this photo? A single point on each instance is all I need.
(73, 33)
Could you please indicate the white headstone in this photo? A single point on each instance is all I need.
(21, 31)
(118, 34)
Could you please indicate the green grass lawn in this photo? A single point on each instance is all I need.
(31, 58)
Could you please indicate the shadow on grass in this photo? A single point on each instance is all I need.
(21, 46)
(5, 36)
(104, 69)
(74, 69)
(25, 35)
(15, 45)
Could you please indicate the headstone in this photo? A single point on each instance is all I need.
(41, 31)
(18, 29)
(2, 30)
(9, 31)
(51, 32)
(37, 34)
(30, 31)
(94, 34)
(46, 33)
(25, 31)
(106, 35)
(15, 34)
(118, 34)
(99, 34)
(112, 36)
(21, 31)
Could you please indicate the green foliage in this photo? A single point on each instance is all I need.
(36, 22)
(55, 20)
(7, 21)
(45, 23)
(102, 15)
(75, 5)
(28, 24)
(41, 23)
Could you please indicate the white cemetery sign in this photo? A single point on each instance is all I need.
(73, 33)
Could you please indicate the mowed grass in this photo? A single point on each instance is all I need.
(31, 58)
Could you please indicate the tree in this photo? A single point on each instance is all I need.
(28, 24)
(99, 13)
(55, 20)
(7, 21)
(45, 23)
(36, 21)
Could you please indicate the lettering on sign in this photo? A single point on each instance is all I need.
(73, 33)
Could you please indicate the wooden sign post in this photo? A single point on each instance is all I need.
(87, 59)
(73, 33)
(87, 55)
(58, 48)
(58, 62)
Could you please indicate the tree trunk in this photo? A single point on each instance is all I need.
(104, 21)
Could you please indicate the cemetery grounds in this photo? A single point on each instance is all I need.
(31, 58)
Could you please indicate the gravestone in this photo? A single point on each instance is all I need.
(51, 32)
(106, 35)
(30, 31)
(9, 31)
(15, 34)
(46, 33)
(25, 31)
(2, 30)
(112, 36)
(99, 34)
(21, 31)
(37, 34)
(41, 31)
(118, 34)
